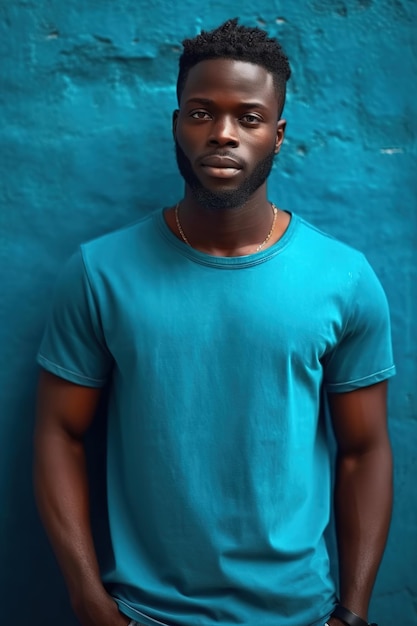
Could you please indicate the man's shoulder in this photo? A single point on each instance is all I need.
(324, 250)
(121, 238)
(326, 241)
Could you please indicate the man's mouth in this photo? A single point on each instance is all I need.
(220, 166)
(220, 172)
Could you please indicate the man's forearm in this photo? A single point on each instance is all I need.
(65, 412)
(62, 494)
(363, 501)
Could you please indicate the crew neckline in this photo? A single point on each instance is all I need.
(226, 262)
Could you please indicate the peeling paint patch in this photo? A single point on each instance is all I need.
(391, 150)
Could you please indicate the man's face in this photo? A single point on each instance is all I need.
(226, 131)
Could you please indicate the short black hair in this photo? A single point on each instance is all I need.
(240, 43)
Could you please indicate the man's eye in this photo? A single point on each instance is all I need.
(249, 118)
(200, 115)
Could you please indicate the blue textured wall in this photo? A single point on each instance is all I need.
(86, 93)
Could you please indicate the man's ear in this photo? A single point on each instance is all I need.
(281, 125)
(174, 122)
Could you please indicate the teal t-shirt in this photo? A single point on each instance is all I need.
(218, 464)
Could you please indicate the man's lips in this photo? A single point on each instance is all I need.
(220, 162)
(218, 166)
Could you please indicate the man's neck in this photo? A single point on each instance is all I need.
(234, 231)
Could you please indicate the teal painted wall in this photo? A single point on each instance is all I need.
(86, 94)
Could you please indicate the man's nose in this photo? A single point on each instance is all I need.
(224, 132)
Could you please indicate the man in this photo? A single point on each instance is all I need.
(221, 326)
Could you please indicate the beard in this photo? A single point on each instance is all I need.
(227, 199)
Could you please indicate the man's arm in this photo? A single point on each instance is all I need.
(363, 491)
(65, 411)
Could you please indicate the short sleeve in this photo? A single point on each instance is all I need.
(363, 355)
(73, 346)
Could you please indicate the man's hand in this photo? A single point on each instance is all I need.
(99, 609)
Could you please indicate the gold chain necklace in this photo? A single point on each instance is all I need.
(261, 245)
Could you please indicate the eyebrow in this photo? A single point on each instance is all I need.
(245, 105)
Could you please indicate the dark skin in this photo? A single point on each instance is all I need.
(214, 115)
(65, 411)
(233, 106)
